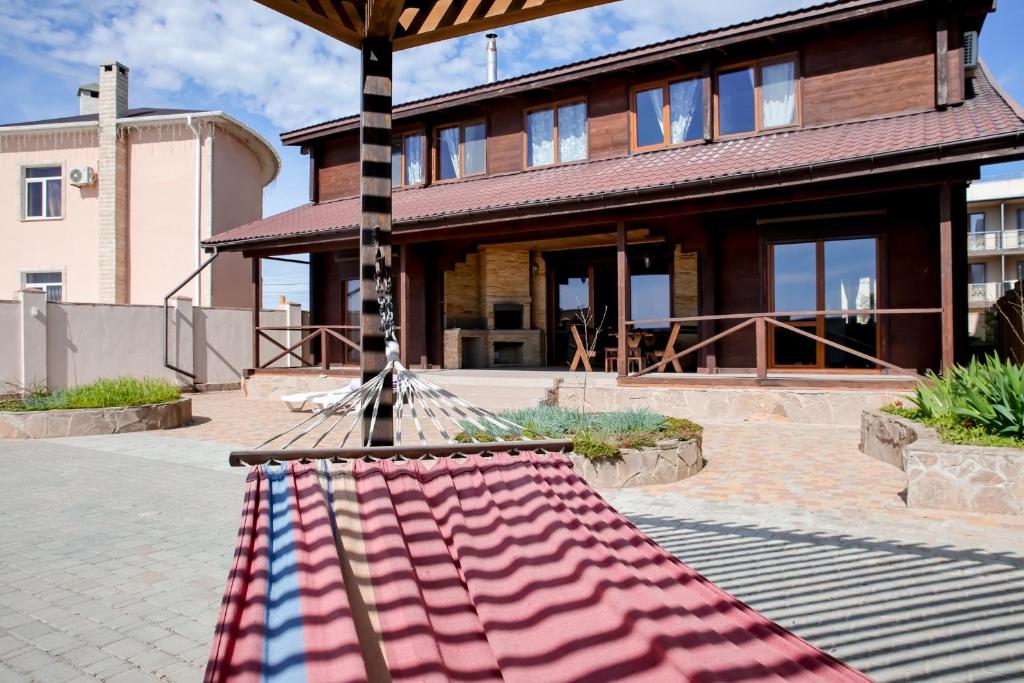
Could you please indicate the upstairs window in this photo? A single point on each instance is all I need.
(977, 223)
(556, 134)
(461, 150)
(757, 97)
(42, 192)
(407, 160)
(1020, 219)
(679, 103)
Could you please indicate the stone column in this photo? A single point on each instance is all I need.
(183, 329)
(33, 339)
(113, 184)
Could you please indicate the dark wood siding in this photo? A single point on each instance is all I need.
(338, 175)
(885, 69)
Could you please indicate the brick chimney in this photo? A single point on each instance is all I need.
(113, 185)
(89, 98)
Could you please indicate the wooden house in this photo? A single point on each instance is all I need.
(785, 196)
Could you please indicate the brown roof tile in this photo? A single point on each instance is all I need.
(988, 114)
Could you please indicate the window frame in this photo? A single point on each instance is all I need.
(554, 106)
(42, 181)
(757, 65)
(666, 112)
(436, 150)
(400, 136)
(39, 271)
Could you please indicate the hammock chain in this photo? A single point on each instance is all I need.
(383, 286)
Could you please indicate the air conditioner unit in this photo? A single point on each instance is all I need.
(80, 176)
(970, 49)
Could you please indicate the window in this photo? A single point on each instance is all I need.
(407, 160)
(1020, 219)
(978, 274)
(1020, 270)
(52, 282)
(461, 150)
(556, 134)
(757, 97)
(42, 192)
(680, 103)
(977, 222)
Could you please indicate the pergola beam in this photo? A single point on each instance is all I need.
(411, 23)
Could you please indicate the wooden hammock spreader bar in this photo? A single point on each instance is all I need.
(410, 452)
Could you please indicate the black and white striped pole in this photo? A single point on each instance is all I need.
(375, 232)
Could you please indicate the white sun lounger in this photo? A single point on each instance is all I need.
(318, 400)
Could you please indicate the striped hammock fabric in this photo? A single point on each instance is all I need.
(501, 568)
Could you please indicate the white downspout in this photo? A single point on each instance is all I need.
(198, 208)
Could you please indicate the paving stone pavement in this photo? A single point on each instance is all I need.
(114, 550)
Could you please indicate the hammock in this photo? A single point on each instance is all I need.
(483, 559)
(484, 569)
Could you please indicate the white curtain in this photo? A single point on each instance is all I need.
(413, 159)
(474, 149)
(541, 134)
(844, 301)
(450, 152)
(657, 104)
(778, 94)
(572, 132)
(685, 101)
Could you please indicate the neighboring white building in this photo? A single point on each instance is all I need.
(995, 243)
(110, 205)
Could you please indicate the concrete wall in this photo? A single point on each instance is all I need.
(69, 244)
(66, 344)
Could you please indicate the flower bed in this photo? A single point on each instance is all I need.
(617, 449)
(108, 406)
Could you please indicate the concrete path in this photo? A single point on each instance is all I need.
(114, 551)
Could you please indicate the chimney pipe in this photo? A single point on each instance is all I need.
(492, 57)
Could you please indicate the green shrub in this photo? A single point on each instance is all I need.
(104, 393)
(594, 448)
(978, 404)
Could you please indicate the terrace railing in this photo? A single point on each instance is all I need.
(761, 323)
(325, 333)
(995, 240)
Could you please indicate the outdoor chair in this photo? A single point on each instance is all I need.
(611, 359)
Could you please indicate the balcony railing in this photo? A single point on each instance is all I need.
(323, 333)
(987, 292)
(995, 240)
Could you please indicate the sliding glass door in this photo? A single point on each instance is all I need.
(824, 275)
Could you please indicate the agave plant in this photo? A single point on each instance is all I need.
(988, 395)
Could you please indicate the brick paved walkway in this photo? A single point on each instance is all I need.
(114, 550)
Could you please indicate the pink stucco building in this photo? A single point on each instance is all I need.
(111, 205)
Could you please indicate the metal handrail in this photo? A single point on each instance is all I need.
(167, 324)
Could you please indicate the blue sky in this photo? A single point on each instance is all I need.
(275, 75)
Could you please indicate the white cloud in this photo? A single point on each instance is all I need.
(241, 52)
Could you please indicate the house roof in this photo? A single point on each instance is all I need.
(989, 124)
(87, 118)
(793, 20)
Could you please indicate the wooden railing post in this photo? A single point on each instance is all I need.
(761, 339)
(325, 356)
(257, 304)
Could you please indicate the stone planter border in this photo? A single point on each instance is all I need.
(981, 479)
(668, 461)
(44, 424)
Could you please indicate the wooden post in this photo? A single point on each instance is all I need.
(622, 275)
(761, 341)
(706, 305)
(257, 304)
(946, 273)
(375, 220)
(403, 303)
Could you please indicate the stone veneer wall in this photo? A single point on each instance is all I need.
(741, 404)
(684, 284)
(47, 424)
(667, 462)
(946, 476)
(462, 290)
